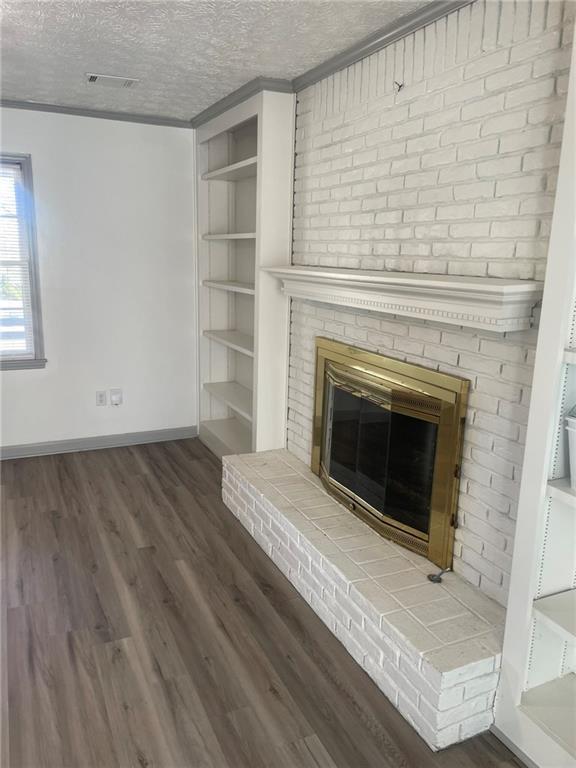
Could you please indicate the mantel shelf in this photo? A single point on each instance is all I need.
(478, 302)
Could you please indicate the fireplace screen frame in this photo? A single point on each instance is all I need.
(412, 390)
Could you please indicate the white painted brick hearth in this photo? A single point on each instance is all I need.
(453, 174)
(433, 649)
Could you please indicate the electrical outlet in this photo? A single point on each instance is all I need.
(116, 397)
(101, 397)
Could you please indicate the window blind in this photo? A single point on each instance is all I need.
(17, 315)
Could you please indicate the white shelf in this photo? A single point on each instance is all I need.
(561, 490)
(245, 169)
(233, 395)
(230, 285)
(570, 356)
(241, 342)
(226, 436)
(552, 706)
(559, 612)
(232, 236)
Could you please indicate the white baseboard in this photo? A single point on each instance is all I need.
(94, 443)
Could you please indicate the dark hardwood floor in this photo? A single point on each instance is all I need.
(144, 627)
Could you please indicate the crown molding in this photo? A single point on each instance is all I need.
(402, 27)
(102, 114)
(380, 39)
(241, 94)
(489, 303)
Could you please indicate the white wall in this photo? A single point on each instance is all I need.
(115, 213)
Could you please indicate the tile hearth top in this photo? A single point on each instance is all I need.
(451, 625)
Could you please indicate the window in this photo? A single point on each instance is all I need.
(21, 343)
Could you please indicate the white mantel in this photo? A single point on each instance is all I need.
(489, 303)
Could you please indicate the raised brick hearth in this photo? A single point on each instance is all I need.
(433, 649)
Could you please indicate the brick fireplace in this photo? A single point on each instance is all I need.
(454, 174)
(499, 369)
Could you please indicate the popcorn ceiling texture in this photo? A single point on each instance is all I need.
(187, 55)
(453, 174)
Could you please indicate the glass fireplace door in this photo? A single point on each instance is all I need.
(381, 454)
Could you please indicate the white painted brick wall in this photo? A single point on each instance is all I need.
(469, 145)
(446, 694)
(454, 174)
(498, 369)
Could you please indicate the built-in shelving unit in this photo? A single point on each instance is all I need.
(245, 163)
(536, 702)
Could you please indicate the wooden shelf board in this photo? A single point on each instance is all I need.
(245, 169)
(559, 611)
(241, 342)
(232, 236)
(230, 285)
(226, 436)
(561, 490)
(552, 707)
(570, 356)
(233, 395)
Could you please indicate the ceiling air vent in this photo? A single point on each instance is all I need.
(111, 81)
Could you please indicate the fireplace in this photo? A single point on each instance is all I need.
(387, 443)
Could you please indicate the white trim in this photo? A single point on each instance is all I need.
(100, 114)
(398, 29)
(488, 303)
(96, 442)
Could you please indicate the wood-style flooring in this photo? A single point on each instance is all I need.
(144, 627)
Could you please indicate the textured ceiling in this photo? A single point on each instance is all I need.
(188, 54)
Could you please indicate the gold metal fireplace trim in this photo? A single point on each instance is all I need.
(412, 390)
